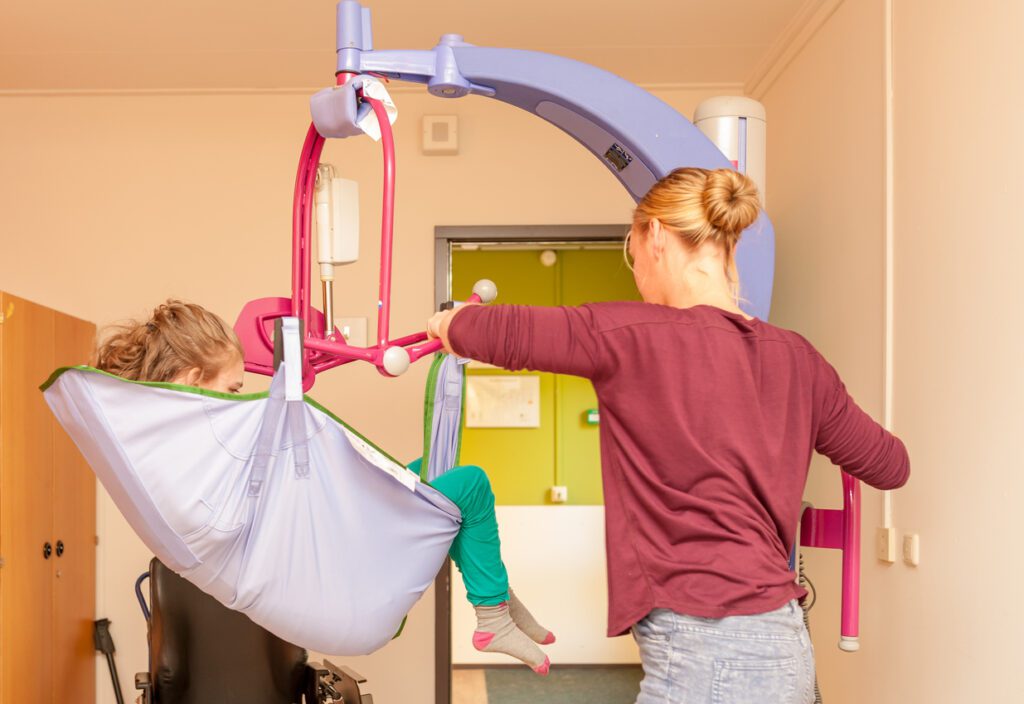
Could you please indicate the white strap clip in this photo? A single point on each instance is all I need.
(368, 123)
(292, 349)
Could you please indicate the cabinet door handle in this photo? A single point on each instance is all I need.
(60, 548)
(47, 551)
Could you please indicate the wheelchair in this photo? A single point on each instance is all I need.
(201, 652)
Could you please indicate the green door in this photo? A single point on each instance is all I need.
(524, 463)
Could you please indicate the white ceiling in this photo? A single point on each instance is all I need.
(278, 44)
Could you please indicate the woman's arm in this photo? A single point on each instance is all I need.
(562, 340)
(853, 440)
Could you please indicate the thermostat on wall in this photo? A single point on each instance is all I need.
(440, 134)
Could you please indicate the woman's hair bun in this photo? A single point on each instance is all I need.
(730, 201)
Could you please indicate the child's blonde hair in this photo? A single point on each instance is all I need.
(179, 336)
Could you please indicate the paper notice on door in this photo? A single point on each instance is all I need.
(375, 457)
(503, 401)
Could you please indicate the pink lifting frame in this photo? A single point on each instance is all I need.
(255, 323)
(840, 530)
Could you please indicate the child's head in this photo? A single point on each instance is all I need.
(182, 343)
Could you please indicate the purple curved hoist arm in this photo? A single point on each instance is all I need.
(637, 137)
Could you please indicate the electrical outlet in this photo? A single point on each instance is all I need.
(559, 494)
(912, 549)
(886, 544)
(353, 330)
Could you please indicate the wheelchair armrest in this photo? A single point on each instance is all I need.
(328, 682)
(356, 677)
(346, 671)
(143, 682)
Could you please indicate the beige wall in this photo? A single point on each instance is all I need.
(959, 378)
(826, 168)
(111, 203)
(947, 631)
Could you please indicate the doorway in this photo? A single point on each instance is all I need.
(544, 467)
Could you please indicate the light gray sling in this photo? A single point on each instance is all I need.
(274, 506)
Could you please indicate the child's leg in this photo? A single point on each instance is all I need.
(476, 551)
(477, 548)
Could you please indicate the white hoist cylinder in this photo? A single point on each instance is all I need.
(737, 127)
(337, 220)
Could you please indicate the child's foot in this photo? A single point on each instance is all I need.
(496, 632)
(527, 623)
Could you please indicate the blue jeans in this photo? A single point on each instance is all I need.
(761, 659)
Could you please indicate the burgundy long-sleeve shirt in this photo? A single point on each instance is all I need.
(708, 424)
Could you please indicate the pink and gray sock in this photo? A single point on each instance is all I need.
(527, 623)
(511, 629)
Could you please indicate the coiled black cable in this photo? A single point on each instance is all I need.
(807, 606)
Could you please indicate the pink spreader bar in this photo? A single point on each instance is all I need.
(255, 323)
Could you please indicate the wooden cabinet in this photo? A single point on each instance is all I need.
(47, 517)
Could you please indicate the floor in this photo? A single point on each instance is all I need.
(564, 685)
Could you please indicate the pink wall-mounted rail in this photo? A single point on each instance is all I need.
(840, 530)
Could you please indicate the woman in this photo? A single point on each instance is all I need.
(709, 418)
(184, 343)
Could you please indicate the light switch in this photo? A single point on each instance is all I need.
(886, 540)
(912, 549)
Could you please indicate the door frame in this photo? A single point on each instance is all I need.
(445, 239)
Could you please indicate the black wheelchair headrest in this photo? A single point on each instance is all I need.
(201, 652)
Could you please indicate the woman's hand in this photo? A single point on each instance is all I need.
(437, 326)
(436, 322)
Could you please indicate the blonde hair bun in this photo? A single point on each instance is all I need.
(730, 201)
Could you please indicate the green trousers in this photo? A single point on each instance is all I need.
(476, 550)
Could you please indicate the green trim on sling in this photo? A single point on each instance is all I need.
(401, 627)
(213, 394)
(157, 384)
(365, 439)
